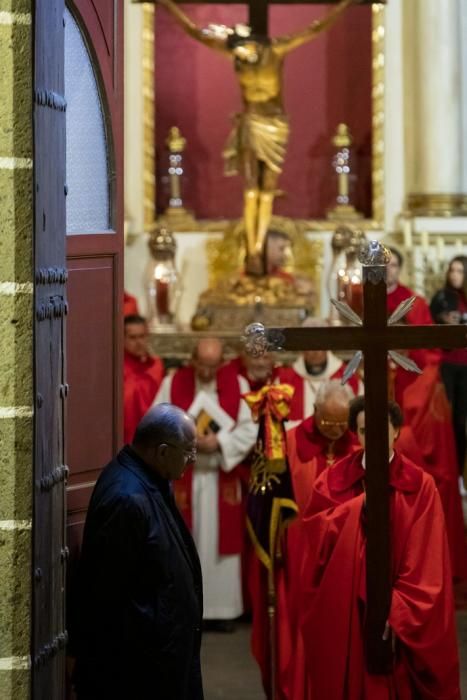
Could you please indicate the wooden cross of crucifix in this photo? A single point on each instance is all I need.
(373, 337)
(258, 10)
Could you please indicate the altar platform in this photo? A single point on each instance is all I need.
(178, 345)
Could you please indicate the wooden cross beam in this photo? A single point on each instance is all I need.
(258, 9)
(373, 338)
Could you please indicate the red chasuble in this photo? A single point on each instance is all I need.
(333, 589)
(309, 453)
(141, 381)
(419, 315)
(427, 410)
(408, 446)
(231, 514)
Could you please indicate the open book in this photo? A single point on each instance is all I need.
(208, 415)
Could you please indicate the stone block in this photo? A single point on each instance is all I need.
(16, 5)
(16, 225)
(16, 90)
(15, 685)
(16, 467)
(16, 349)
(15, 592)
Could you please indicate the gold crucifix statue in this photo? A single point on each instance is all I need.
(256, 147)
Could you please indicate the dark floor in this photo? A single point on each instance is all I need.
(231, 674)
(229, 670)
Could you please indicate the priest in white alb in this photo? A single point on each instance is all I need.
(210, 495)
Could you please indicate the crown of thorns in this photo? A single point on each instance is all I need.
(221, 31)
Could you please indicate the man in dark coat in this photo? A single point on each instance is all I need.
(139, 611)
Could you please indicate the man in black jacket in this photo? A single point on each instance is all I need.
(139, 601)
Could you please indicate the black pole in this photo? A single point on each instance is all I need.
(378, 547)
(259, 16)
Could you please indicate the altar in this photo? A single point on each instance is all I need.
(195, 252)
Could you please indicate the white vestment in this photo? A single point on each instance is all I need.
(312, 382)
(222, 575)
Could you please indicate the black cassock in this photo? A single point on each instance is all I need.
(137, 607)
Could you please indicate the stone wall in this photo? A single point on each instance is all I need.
(16, 346)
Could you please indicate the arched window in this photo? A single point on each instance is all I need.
(87, 149)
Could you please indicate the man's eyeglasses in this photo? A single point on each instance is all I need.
(332, 423)
(188, 455)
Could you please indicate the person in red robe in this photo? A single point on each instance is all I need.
(320, 440)
(428, 416)
(257, 371)
(314, 445)
(130, 305)
(142, 374)
(409, 447)
(427, 411)
(419, 314)
(333, 583)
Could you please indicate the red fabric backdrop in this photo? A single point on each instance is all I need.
(326, 82)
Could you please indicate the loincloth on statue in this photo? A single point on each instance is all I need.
(267, 137)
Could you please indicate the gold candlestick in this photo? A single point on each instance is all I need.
(176, 213)
(176, 144)
(344, 209)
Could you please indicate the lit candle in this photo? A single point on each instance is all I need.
(408, 234)
(162, 297)
(424, 239)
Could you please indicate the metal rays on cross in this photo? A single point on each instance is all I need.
(401, 360)
(257, 341)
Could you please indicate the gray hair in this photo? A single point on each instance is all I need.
(333, 388)
(161, 423)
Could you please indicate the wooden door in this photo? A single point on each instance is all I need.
(94, 91)
(49, 551)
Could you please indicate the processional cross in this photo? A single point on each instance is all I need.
(373, 338)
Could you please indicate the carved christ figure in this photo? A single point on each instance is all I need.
(257, 145)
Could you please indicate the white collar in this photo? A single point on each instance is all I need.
(209, 387)
(333, 364)
(364, 459)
